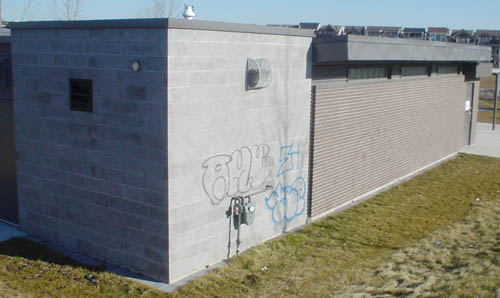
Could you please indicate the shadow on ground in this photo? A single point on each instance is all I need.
(24, 248)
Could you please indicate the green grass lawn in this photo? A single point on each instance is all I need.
(384, 246)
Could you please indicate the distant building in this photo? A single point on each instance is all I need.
(354, 30)
(414, 33)
(329, 30)
(490, 38)
(462, 36)
(383, 31)
(487, 36)
(438, 33)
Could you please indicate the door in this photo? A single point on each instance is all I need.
(469, 108)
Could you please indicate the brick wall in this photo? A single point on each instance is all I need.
(94, 182)
(226, 141)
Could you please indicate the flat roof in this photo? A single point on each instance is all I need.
(171, 23)
(353, 48)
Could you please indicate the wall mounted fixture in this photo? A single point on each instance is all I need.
(259, 74)
(136, 66)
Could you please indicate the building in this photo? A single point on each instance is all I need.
(438, 33)
(329, 30)
(353, 30)
(462, 36)
(127, 158)
(414, 33)
(383, 31)
(139, 142)
(384, 108)
(490, 38)
(487, 37)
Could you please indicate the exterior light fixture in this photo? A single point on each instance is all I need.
(136, 66)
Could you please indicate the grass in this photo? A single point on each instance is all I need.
(487, 116)
(384, 246)
(459, 261)
(485, 103)
(487, 82)
(29, 269)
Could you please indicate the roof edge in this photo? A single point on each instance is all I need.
(364, 48)
(172, 23)
(235, 27)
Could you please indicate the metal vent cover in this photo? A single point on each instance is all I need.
(259, 74)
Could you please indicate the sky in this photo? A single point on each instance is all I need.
(455, 14)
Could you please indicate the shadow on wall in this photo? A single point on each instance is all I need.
(289, 112)
(309, 62)
(8, 191)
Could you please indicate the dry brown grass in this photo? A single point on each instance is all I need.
(460, 261)
(486, 103)
(487, 117)
(487, 83)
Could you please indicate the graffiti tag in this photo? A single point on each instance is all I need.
(287, 156)
(244, 171)
(287, 202)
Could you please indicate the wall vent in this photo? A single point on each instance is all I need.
(81, 95)
(259, 74)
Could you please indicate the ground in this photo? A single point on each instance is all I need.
(433, 236)
(488, 82)
(486, 101)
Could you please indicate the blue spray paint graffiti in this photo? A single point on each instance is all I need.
(287, 202)
(287, 156)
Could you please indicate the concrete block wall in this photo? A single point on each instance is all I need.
(225, 141)
(94, 182)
